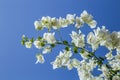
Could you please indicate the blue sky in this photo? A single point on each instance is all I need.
(17, 18)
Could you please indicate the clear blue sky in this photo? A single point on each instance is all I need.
(17, 18)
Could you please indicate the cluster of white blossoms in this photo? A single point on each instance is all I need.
(83, 45)
(56, 23)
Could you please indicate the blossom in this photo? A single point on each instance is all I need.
(62, 22)
(115, 77)
(28, 44)
(38, 44)
(46, 22)
(109, 55)
(55, 23)
(92, 24)
(79, 22)
(78, 39)
(104, 70)
(87, 18)
(91, 38)
(63, 59)
(49, 37)
(38, 25)
(47, 49)
(75, 63)
(70, 18)
(40, 58)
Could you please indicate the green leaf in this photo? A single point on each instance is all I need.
(67, 48)
(52, 45)
(32, 40)
(65, 42)
(75, 49)
(23, 42)
(82, 51)
(42, 44)
(39, 38)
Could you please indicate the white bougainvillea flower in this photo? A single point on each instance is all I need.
(63, 59)
(49, 37)
(109, 56)
(75, 63)
(116, 77)
(47, 49)
(38, 25)
(70, 18)
(115, 39)
(38, 43)
(46, 22)
(91, 38)
(92, 24)
(28, 44)
(79, 22)
(105, 70)
(78, 39)
(55, 23)
(62, 22)
(40, 58)
(87, 18)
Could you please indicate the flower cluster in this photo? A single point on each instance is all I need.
(83, 45)
(56, 23)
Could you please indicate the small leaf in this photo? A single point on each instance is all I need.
(32, 40)
(39, 38)
(23, 42)
(65, 42)
(67, 48)
(52, 45)
(82, 51)
(75, 49)
(42, 44)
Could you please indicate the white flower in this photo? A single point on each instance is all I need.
(70, 66)
(115, 77)
(118, 34)
(38, 25)
(57, 63)
(109, 55)
(79, 22)
(117, 57)
(87, 18)
(28, 44)
(78, 39)
(105, 70)
(70, 18)
(49, 37)
(62, 22)
(75, 63)
(91, 38)
(92, 24)
(40, 58)
(38, 44)
(55, 23)
(47, 49)
(46, 22)
(63, 59)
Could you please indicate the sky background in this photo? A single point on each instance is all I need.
(17, 18)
